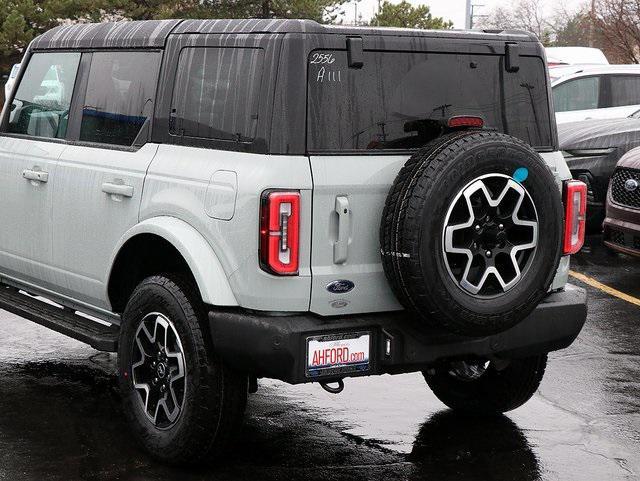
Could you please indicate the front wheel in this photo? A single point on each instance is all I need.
(487, 387)
(183, 404)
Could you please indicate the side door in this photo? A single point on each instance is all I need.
(101, 173)
(32, 139)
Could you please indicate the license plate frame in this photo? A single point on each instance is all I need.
(339, 341)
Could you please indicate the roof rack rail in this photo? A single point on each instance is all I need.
(514, 31)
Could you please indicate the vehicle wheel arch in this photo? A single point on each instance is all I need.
(175, 245)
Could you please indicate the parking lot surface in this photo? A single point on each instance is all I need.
(60, 417)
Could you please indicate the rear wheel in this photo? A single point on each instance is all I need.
(184, 405)
(487, 387)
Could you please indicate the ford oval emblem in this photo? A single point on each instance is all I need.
(631, 185)
(340, 287)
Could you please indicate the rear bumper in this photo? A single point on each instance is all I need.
(275, 346)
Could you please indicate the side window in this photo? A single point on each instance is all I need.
(578, 94)
(119, 101)
(40, 107)
(216, 93)
(625, 90)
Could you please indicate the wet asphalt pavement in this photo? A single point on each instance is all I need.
(60, 417)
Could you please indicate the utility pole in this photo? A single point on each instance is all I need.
(591, 20)
(468, 21)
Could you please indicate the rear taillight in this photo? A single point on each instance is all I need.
(280, 232)
(575, 210)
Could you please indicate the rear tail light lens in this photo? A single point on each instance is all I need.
(575, 211)
(280, 232)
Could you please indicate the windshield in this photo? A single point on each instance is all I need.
(399, 100)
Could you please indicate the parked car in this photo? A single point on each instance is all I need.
(237, 199)
(592, 149)
(575, 55)
(11, 79)
(595, 92)
(622, 224)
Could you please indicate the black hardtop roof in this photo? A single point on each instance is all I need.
(153, 33)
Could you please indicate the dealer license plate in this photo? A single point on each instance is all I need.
(337, 354)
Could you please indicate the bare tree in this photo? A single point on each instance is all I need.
(524, 15)
(617, 22)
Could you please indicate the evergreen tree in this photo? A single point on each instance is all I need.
(405, 15)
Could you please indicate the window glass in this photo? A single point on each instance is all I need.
(625, 90)
(120, 95)
(579, 94)
(41, 104)
(216, 93)
(399, 100)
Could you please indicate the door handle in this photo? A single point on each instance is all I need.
(341, 246)
(117, 189)
(35, 175)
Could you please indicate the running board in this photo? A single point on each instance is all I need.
(59, 319)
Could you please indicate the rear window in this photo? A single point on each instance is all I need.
(396, 99)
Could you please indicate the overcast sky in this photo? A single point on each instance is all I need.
(450, 9)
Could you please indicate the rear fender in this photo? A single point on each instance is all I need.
(200, 257)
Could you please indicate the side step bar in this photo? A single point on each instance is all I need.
(59, 319)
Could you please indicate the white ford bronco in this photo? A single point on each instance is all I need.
(220, 201)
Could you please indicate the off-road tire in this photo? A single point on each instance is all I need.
(413, 222)
(215, 396)
(495, 391)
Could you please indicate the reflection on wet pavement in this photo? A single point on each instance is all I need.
(61, 418)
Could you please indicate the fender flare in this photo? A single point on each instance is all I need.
(197, 252)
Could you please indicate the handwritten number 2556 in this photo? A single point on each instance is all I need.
(322, 58)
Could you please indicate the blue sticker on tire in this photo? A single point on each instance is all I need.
(521, 174)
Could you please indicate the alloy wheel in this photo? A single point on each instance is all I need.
(490, 235)
(159, 370)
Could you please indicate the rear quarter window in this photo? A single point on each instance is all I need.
(397, 98)
(216, 93)
(625, 90)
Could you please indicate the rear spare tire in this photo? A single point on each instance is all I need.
(471, 232)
